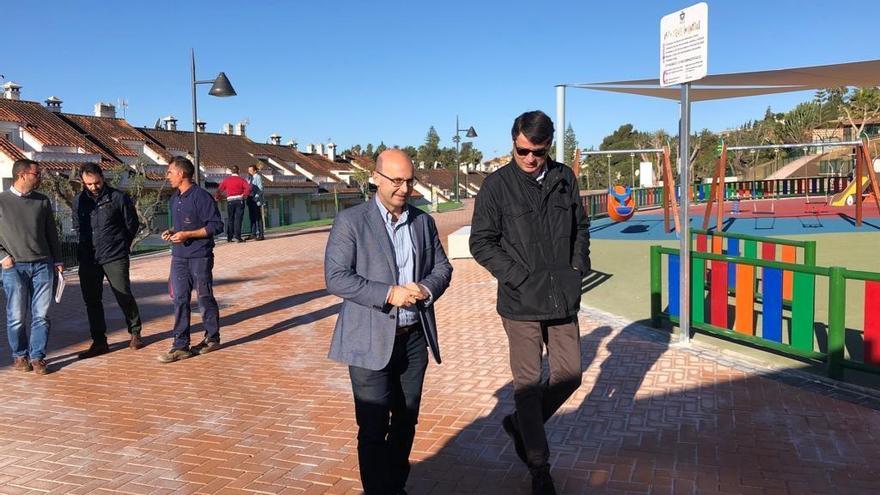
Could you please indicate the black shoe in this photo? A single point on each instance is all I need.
(96, 349)
(239, 240)
(205, 347)
(261, 238)
(542, 482)
(511, 429)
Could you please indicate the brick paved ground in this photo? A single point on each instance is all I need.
(269, 414)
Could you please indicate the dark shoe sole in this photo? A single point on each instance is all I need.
(204, 349)
(93, 353)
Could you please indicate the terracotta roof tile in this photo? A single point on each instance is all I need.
(67, 166)
(215, 150)
(364, 162)
(10, 150)
(46, 126)
(108, 132)
(440, 177)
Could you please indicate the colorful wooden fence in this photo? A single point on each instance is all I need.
(747, 246)
(775, 188)
(768, 322)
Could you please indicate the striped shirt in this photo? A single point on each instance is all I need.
(404, 256)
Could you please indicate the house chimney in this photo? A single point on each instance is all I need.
(12, 91)
(292, 143)
(227, 128)
(240, 128)
(319, 148)
(53, 103)
(275, 139)
(202, 126)
(310, 148)
(105, 110)
(170, 123)
(331, 152)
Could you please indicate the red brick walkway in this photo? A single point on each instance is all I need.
(269, 413)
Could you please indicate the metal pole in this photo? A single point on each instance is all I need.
(608, 171)
(195, 120)
(685, 234)
(560, 123)
(457, 167)
(632, 169)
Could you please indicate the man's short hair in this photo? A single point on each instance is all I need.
(184, 165)
(90, 168)
(234, 169)
(536, 126)
(22, 166)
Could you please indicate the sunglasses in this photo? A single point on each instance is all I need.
(399, 182)
(538, 153)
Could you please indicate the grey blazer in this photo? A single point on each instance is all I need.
(359, 267)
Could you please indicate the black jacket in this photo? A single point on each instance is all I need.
(535, 239)
(106, 225)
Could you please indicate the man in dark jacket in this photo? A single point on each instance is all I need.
(107, 223)
(529, 230)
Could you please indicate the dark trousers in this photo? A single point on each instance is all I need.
(255, 214)
(537, 400)
(91, 279)
(386, 405)
(186, 274)
(234, 216)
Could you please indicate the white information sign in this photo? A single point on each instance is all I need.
(684, 42)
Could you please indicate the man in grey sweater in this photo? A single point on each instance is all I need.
(29, 248)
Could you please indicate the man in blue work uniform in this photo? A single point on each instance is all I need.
(196, 220)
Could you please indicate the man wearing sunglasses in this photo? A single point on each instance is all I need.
(530, 231)
(384, 259)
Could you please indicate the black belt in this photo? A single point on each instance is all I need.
(407, 329)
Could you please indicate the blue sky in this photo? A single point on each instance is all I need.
(360, 72)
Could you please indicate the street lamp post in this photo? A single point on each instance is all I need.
(219, 87)
(471, 133)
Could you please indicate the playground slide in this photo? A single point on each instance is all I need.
(794, 167)
(843, 198)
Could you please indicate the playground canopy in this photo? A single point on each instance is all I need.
(735, 85)
(716, 87)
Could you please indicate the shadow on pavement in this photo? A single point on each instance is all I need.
(639, 432)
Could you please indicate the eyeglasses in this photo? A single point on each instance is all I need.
(538, 153)
(399, 182)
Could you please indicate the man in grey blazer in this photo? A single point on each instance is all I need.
(384, 259)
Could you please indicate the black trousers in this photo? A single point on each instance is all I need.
(537, 401)
(386, 405)
(255, 214)
(91, 279)
(234, 216)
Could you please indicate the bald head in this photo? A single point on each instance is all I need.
(394, 166)
(396, 160)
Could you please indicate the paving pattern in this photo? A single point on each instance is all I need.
(268, 413)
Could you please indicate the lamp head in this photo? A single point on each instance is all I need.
(222, 86)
